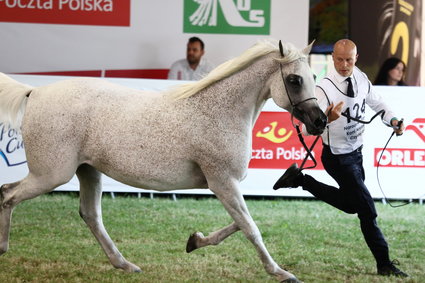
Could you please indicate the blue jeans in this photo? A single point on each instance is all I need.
(352, 196)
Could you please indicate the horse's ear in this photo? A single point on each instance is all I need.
(307, 50)
(281, 48)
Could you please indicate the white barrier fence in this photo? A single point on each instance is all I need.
(401, 171)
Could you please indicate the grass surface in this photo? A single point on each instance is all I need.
(50, 243)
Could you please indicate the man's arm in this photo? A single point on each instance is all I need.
(375, 101)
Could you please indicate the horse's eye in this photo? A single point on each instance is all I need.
(294, 80)
(314, 77)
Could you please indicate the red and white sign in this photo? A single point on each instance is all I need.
(400, 157)
(405, 157)
(276, 147)
(71, 12)
(275, 144)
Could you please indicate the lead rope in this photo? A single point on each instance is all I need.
(406, 202)
(309, 150)
(310, 155)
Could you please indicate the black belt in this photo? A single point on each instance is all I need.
(327, 147)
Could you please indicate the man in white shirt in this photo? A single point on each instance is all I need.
(194, 67)
(344, 94)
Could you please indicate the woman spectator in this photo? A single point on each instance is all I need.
(391, 72)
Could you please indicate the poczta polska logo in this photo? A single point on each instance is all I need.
(11, 146)
(227, 16)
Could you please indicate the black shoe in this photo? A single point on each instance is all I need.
(391, 270)
(292, 178)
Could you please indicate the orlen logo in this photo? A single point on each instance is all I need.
(11, 147)
(400, 157)
(275, 145)
(227, 16)
(404, 157)
(418, 126)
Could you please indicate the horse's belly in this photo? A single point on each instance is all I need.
(156, 176)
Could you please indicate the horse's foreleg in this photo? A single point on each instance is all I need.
(91, 212)
(228, 193)
(198, 240)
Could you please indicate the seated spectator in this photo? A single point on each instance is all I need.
(194, 67)
(391, 72)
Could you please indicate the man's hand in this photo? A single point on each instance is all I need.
(334, 112)
(398, 126)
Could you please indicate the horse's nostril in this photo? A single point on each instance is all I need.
(320, 122)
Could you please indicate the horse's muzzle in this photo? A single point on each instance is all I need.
(314, 120)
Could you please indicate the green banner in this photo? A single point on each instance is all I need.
(227, 16)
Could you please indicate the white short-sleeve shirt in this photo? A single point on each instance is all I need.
(180, 70)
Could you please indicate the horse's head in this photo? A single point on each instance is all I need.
(293, 88)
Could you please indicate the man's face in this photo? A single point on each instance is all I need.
(194, 52)
(345, 58)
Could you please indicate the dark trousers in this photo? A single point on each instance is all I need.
(352, 196)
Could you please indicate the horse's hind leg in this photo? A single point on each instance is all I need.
(198, 240)
(14, 193)
(228, 193)
(91, 212)
(5, 216)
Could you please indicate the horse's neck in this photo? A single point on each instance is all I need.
(244, 93)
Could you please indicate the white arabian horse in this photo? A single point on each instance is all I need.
(197, 135)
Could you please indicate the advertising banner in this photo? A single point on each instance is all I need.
(275, 143)
(227, 16)
(70, 12)
(276, 147)
(107, 36)
(389, 28)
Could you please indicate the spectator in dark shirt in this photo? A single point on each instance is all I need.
(391, 72)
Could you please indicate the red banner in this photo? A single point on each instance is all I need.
(71, 12)
(400, 157)
(275, 143)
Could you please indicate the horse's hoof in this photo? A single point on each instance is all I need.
(3, 250)
(291, 280)
(191, 243)
(128, 267)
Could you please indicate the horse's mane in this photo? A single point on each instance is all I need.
(230, 67)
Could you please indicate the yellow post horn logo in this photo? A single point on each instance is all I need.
(273, 134)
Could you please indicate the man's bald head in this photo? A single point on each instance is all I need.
(344, 57)
(346, 45)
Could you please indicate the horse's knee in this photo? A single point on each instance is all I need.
(6, 200)
(85, 216)
(88, 217)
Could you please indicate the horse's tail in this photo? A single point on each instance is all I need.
(13, 99)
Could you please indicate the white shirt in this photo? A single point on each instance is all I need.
(180, 70)
(345, 135)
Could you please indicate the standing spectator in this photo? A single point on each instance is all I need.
(350, 90)
(194, 67)
(391, 72)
